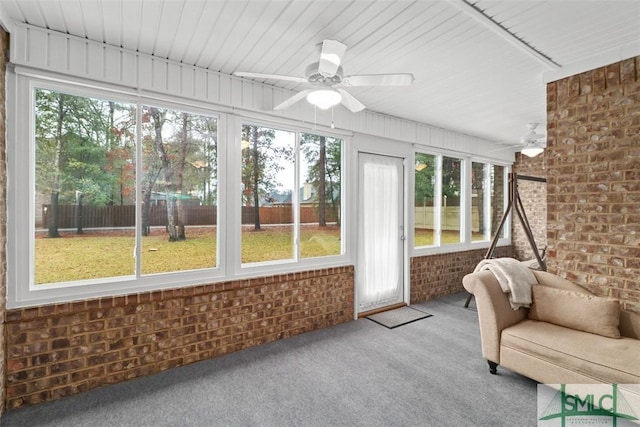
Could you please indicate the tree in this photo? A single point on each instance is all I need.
(322, 183)
(173, 144)
(120, 139)
(55, 187)
(152, 167)
(477, 186)
(425, 177)
(167, 171)
(261, 160)
(451, 178)
(323, 155)
(204, 158)
(75, 137)
(184, 146)
(497, 197)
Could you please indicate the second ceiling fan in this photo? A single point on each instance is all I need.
(327, 80)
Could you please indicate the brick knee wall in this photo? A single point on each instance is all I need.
(438, 275)
(593, 172)
(59, 350)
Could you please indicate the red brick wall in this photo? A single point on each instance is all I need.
(4, 46)
(534, 201)
(434, 276)
(593, 169)
(60, 350)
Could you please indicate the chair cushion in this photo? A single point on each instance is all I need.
(576, 310)
(605, 359)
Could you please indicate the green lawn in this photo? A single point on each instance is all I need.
(424, 237)
(98, 255)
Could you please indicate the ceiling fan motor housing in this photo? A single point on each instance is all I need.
(314, 76)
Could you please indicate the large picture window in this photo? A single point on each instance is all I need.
(86, 192)
(441, 215)
(120, 192)
(125, 192)
(84, 200)
(290, 194)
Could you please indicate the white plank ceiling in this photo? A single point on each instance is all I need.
(478, 65)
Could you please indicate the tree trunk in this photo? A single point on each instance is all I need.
(172, 216)
(79, 215)
(256, 180)
(111, 146)
(497, 207)
(322, 183)
(169, 185)
(53, 215)
(55, 190)
(480, 207)
(184, 149)
(146, 207)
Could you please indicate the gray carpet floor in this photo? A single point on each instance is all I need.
(426, 373)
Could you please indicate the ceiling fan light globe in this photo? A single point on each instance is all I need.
(532, 151)
(324, 98)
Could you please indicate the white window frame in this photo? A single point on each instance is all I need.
(466, 242)
(241, 270)
(20, 196)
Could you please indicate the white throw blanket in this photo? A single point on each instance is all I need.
(515, 279)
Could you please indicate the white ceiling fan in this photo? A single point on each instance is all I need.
(327, 80)
(534, 143)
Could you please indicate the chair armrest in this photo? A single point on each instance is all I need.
(494, 311)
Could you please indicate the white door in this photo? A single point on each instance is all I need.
(380, 275)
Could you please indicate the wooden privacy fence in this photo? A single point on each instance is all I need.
(125, 215)
(283, 214)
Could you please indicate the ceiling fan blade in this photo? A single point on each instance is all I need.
(270, 76)
(403, 79)
(290, 101)
(331, 57)
(350, 102)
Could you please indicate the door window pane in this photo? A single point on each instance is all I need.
(320, 194)
(179, 191)
(451, 217)
(425, 182)
(268, 182)
(84, 201)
